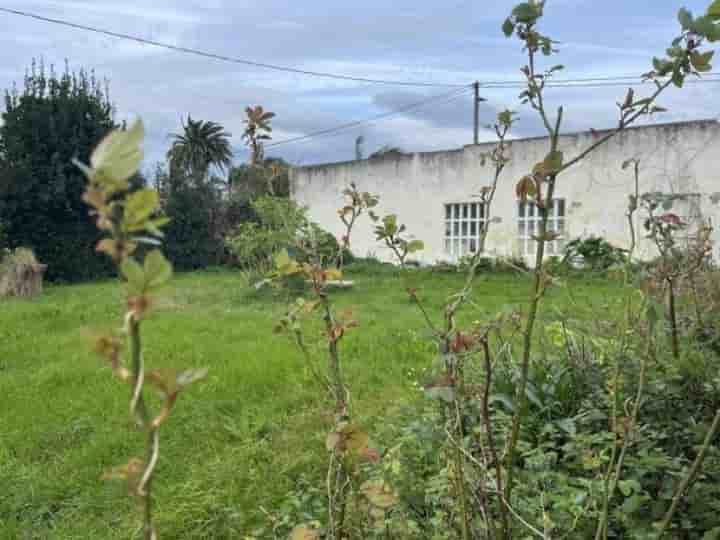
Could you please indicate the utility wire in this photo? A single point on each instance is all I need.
(594, 85)
(454, 95)
(440, 99)
(615, 78)
(220, 57)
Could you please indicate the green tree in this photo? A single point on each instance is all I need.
(249, 182)
(53, 119)
(191, 237)
(201, 145)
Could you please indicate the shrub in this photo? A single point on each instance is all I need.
(596, 253)
(20, 273)
(280, 225)
(189, 236)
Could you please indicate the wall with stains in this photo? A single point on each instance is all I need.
(681, 158)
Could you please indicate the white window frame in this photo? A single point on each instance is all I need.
(528, 220)
(464, 222)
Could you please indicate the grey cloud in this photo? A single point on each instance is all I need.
(455, 42)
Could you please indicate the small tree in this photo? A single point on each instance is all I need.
(127, 218)
(257, 130)
(391, 233)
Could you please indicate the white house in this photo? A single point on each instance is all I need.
(435, 193)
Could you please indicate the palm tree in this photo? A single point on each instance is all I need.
(200, 146)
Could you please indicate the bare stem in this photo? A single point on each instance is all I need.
(673, 319)
(538, 285)
(601, 531)
(490, 435)
(145, 486)
(690, 476)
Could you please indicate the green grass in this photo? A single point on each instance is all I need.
(236, 442)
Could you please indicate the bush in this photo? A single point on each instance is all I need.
(280, 224)
(595, 252)
(190, 238)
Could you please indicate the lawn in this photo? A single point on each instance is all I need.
(235, 443)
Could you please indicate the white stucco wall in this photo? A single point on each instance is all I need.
(675, 158)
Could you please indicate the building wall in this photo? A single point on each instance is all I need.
(675, 158)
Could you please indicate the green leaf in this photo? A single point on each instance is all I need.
(415, 245)
(508, 27)
(153, 225)
(625, 487)
(140, 205)
(133, 273)
(633, 504)
(282, 259)
(390, 223)
(662, 67)
(526, 13)
(568, 426)
(685, 18)
(118, 156)
(713, 11)
(553, 162)
(503, 399)
(705, 26)
(158, 269)
(678, 79)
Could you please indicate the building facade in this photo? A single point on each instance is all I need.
(435, 194)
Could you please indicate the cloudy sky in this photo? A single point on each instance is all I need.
(450, 42)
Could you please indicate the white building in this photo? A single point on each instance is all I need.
(435, 193)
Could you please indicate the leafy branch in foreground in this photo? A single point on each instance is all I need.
(347, 443)
(684, 58)
(129, 219)
(452, 389)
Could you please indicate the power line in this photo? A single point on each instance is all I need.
(440, 99)
(614, 78)
(572, 84)
(220, 57)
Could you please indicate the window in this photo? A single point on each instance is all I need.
(463, 226)
(529, 226)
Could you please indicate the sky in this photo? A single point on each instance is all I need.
(450, 42)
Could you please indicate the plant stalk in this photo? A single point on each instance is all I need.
(690, 476)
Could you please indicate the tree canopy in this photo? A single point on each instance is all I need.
(51, 120)
(201, 145)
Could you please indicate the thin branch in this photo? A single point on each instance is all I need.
(690, 476)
